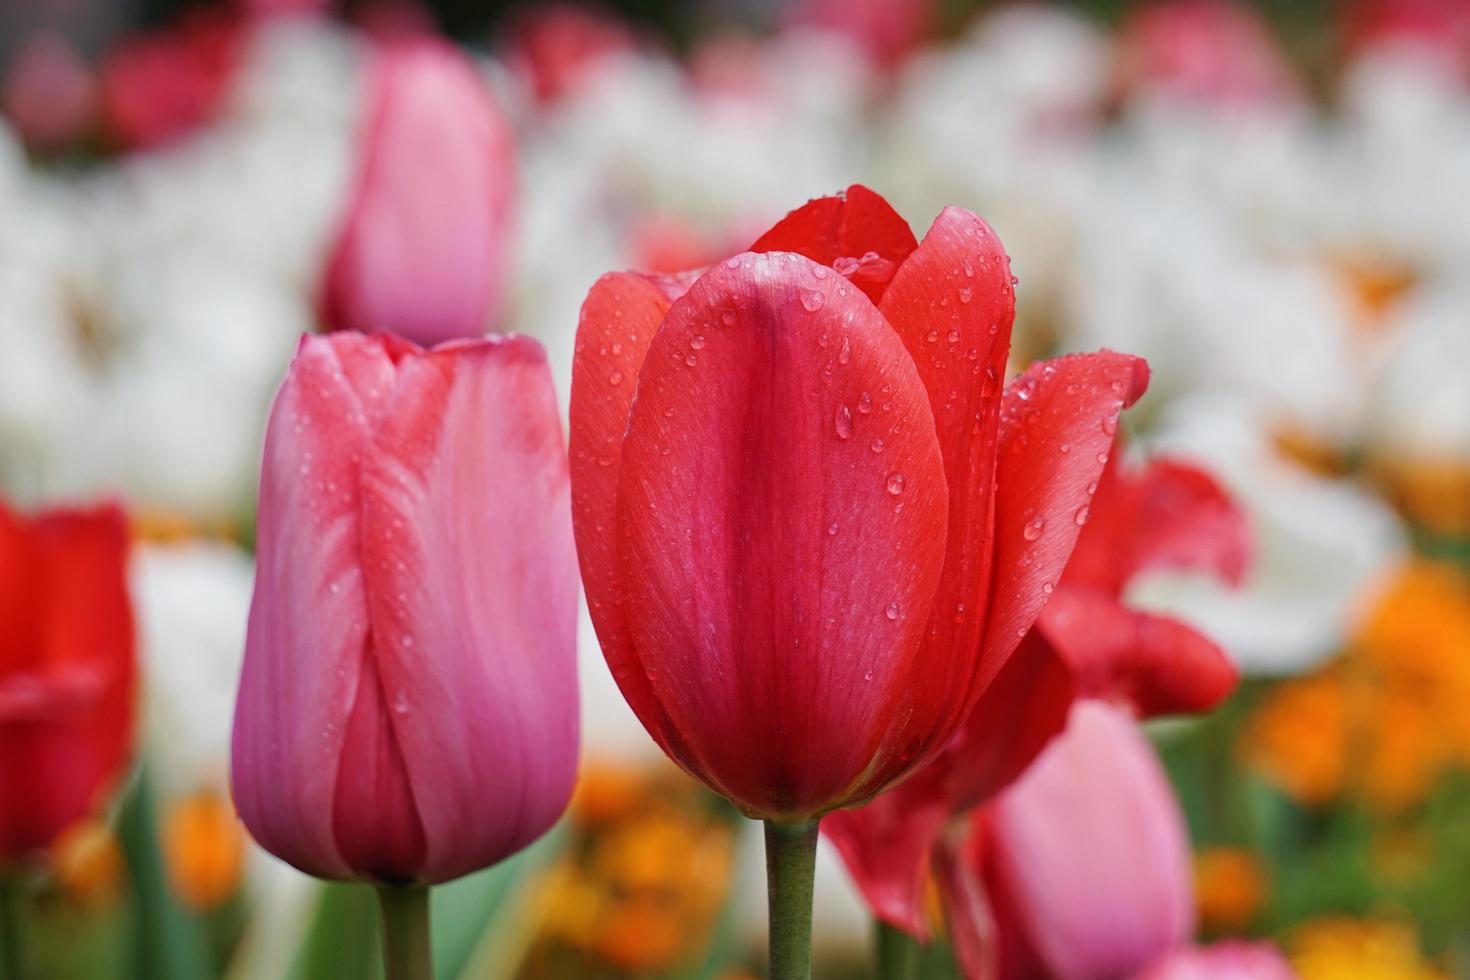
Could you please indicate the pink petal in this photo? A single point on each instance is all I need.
(1092, 850)
(425, 258)
(1154, 664)
(308, 631)
(471, 592)
(780, 544)
(1228, 960)
(1056, 432)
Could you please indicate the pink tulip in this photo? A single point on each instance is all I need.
(1216, 52)
(423, 248)
(48, 91)
(1090, 851)
(408, 704)
(1222, 961)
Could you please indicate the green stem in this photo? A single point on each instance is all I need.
(791, 867)
(13, 962)
(898, 953)
(405, 911)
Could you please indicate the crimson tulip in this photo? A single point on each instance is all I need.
(423, 247)
(68, 670)
(823, 525)
(408, 702)
(1087, 645)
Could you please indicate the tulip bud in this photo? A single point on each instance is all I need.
(1091, 851)
(67, 670)
(422, 250)
(408, 705)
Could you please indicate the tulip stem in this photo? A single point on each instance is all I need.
(791, 868)
(898, 953)
(13, 962)
(406, 953)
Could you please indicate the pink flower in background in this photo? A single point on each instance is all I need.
(408, 702)
(1208, 51)
(1436, 28)
(1090, 852)
(885, 30)
(49, 92)
(555, 47)
(424, 245)
(1222, 961)
(272, 8)
(160, 84)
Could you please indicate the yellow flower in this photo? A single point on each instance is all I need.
(1229, 886)
(1349, 949)
(87, 861)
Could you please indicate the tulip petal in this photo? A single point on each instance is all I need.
(1155, 664)
(1057, 426)
(1092, 850)
(66, 716)
(886, 844)
(619, 318)
(781, 530)
(471, 591)
(952, 303)
(1165, 515)
(307, 637)
(975, 922)
(857, 232)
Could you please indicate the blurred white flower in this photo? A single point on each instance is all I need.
(192, 599)
(1420, 403)
(1319, 543)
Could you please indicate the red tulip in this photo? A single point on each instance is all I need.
(48, 91)
(820, 530)
(556, 47)
(423, 249)
(408, 703)
(1086, 644)
(67, 670)
(1222, 961)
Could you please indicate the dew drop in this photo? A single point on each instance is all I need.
(865, 403)
(845, 353)
(1081, 515)
(895, 483)
(892, 611)
(1033, 528)
(728, 318)
(812, 300)
(966, 294)
(1047, 588)
(1065, 447)
(932, 336)
(842, 421)
(876, 445)
(617, 348)
(696, 342)
(832, 529)
(691, 360)
(1109, 425)
(616, 378)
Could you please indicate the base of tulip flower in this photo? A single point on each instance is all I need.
(405, 920)
(897, 952)
(791, 868)
(14, 964)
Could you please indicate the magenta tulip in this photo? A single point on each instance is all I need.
(408, 704)
(423, 248)
(1222, 961)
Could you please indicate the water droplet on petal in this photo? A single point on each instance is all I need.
(1033, 528)
(892, 611)
(812, 300)
(697, 342)
(843, 422)
(865, 403)
(1081, 515)
(895, 483)
(616, 378)
(876, 445)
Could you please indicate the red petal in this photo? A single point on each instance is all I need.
(952, 303)
(779, 544)
(1166, 514)
(886, 847)
(619, 318)
(66, 700)
(1157, 665)
(1056, 432)
(977, 925)
(844, 229)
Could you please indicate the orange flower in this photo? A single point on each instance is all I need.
(1350, 949)
(204, 847)
(1298, 738)
(1229, 886)
(87, 861)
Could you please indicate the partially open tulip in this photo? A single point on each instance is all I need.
(67, 670)
(824, 524)
(1086, 644)
(423, 247)
(408, 702)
